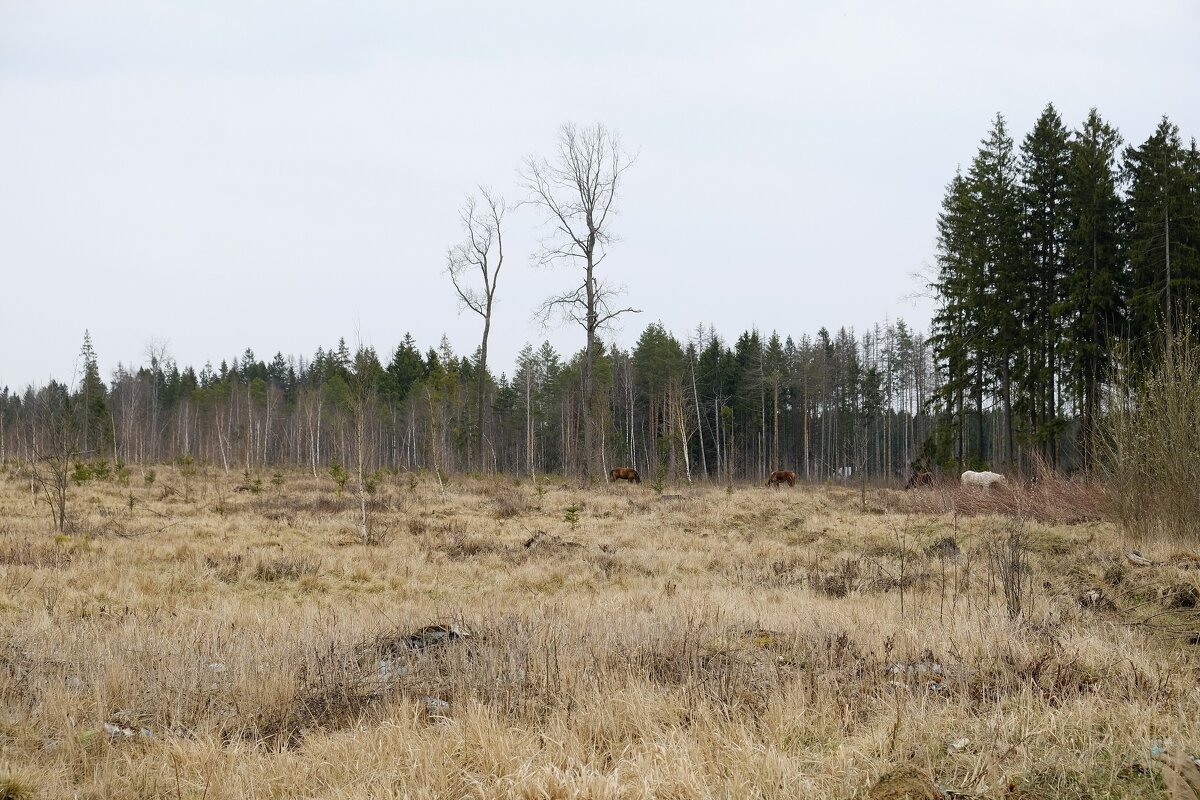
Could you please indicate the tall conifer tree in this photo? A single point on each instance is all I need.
(1095, 282)
(956, 329)
(1045, 157)
(1163, 255)
(993, 176)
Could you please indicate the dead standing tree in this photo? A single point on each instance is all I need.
(577, 192)
(482, 224)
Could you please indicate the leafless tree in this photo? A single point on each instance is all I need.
(50, 467)
(52, 475)
(482, 249)
(577, 191)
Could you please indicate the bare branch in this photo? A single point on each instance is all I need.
(601, 321)
(482, 227)
(571, 306)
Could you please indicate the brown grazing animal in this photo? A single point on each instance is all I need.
(781, 475)
(625, 474)
(919, 478)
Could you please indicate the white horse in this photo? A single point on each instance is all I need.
(982, 479)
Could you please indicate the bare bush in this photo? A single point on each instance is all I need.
(1008, 554)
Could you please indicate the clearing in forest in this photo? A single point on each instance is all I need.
(507, 638)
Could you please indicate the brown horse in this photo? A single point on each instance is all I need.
(781, 475)
(625, 474)
(919, 478)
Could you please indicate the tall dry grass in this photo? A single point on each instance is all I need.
(1045, 496)
(720, 644)
(1152, 443)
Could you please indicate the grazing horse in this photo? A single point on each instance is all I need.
(919, 478)
(781, 475)
(983, 480)
(625, 474)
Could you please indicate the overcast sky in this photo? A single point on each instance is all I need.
(275, 175)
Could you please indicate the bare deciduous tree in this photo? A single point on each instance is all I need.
(577, 192)
(50, 468)
(482, 249)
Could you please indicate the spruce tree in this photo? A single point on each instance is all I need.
(993, 176)
(1095, 282)
(95, 425)
(1163, 255)
(1044, 160)
(405, 369)
(956, 327)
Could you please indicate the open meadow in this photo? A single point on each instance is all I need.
(189, 640)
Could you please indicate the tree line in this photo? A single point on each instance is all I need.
(704, 408)
(1059, 260)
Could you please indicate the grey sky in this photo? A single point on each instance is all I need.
(223, 175)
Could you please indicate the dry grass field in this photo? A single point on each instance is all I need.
(187, 640)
